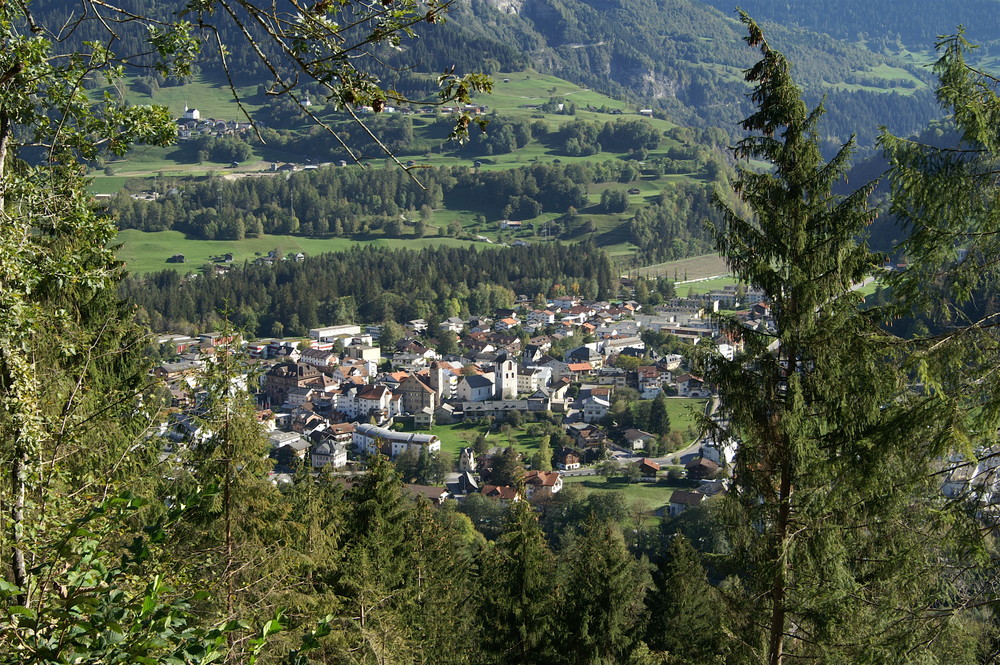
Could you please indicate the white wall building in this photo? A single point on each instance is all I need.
(330, 332)
(367, 438)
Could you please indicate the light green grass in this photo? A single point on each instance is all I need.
(654, 496)
(706, 285)
(684, 413)
(107, 184)
(213, 100)
(890, 73)
(870, 288)
(531, 88)
(694, 267)
(145, 252)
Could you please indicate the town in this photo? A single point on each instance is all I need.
(329, 401)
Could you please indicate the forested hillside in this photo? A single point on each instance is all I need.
(882, 25)
(681, 57)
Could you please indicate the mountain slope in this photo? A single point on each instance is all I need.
(686, 59)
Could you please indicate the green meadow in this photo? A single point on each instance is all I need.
(145, 252)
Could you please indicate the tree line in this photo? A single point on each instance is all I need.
(369, 285)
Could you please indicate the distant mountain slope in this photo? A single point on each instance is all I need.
(686, 58)
(915, 23)
(681, 57)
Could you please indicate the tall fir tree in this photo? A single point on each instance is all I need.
(230, 543)
(377, 579)
(685, 610)
(837, 562)
(601, 608)
(518, 593)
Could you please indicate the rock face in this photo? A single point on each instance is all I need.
(508, 6)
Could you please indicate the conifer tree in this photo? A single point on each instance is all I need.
(835, 560)
(444, 583)
(518, 593)
(542, 460)
(659, 418)
(685, 611)
(377, 580)
(231, 542)
(602, 603)
(946, 198)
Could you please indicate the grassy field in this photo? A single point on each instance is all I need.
(460, 435)
(654, 497)
(694, 267)
(684, 413)
(705, 285)
(145, 252)
(212, 99)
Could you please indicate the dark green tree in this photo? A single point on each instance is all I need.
(377, 580)
(447, 343)
(443, 564)
(602, 602)
(518, 598)
(231, 541)
(686, 612)
(505, 468)
(821, 408)
(659, 418)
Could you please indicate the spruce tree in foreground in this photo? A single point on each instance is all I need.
(831, 519)
(518, 598)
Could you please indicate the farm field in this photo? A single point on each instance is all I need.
(693, 267)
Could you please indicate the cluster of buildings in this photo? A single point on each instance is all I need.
(335, 395)
(191, 125)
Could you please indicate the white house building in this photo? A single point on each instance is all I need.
(369, 438)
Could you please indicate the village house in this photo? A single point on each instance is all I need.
(681, 500)
(648, 470)
(649, 380)
(689, 385)
(533, 378)
(467, 460)
(567, 459)
(282, 378)
(436, 495)
(701, 468)
(501, 493)
(636, 439)
(475, 388)
(319, 358)
(416, 395)
(595, 409)
(539, 484)
(578, 371)
(328, 453)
